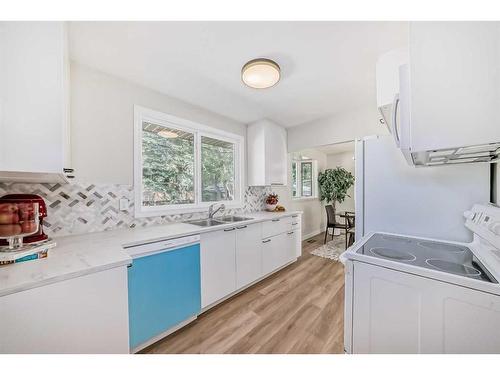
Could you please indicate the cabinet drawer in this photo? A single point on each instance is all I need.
(295, 222)
(276, 226)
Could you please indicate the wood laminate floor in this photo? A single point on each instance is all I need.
(299, 309)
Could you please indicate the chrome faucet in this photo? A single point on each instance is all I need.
(211, 211)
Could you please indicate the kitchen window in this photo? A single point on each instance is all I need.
(182, 166)
(304, 179)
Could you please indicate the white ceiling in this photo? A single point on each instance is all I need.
(337, 148)
(326, 67)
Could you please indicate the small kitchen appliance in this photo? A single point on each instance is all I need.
(21, 228)
(24, 204)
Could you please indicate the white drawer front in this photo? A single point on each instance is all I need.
(295, 222)
(276, 226)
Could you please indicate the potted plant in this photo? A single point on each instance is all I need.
(271, 202)
(334, 184)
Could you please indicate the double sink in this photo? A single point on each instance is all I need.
(218, 221)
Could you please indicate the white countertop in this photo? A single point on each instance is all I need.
(80, 255)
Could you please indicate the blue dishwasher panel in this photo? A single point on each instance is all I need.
(163, 290)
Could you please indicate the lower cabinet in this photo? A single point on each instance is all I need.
(274, 252)
(218, 265)
(236, 257)
(83, 315)
(248, 254)
(292, 246)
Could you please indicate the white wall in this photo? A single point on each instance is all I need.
(102, 120)
(342, 127)
(314, 217)
(346, 161)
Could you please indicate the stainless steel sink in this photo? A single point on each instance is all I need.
(233, 219)
(218, 221)
(206, 222)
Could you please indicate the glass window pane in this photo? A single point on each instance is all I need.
(168, 166)
(294, 179)
(217, 170)
(306, 176)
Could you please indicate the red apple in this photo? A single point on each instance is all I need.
(28, 227)
(9, 230)
(8, 207)
(9, 218)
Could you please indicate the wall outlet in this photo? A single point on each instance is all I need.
(124, 204)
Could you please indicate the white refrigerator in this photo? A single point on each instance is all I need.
(392, 196)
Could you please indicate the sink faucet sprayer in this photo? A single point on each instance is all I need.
(211, 211)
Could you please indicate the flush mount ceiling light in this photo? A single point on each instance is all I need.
(260, 73)
(167, 134)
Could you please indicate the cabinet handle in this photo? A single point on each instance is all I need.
(242, 227)
(275, 220)
(229, 230)
(295, 223)
(290, 233)
(129, 265)
(266, 241)
(295, 215)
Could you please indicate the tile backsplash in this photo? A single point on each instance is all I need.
(79, 207)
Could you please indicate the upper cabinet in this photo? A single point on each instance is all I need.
(387, 74)
(267, 154)
(446, 111)
(34, 101)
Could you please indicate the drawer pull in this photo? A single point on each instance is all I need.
(276, 220)
(229, 230)
(290, 233)
(129, 265)
(242, 227)
(266, 241)
(295, 215)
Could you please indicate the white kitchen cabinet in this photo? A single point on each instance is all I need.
(291, 249)
(87, 314)
(453, 95)
(248, 254)
(34, 101)
(275, 252)
(234, 258)
(387, 73)
(395, 313)
(296, 227)
(267, 154)
(276, 226)
(218, 265)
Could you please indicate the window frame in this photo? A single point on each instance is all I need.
(142, 114)
(314, 184)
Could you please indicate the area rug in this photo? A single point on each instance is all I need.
(332, 249)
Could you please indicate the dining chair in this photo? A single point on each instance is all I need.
(350, 222)
(331, 221)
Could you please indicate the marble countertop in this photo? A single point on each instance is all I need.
(79, 255)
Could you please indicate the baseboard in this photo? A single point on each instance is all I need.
(312, 234)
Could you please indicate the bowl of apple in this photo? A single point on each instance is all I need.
(18, 220)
